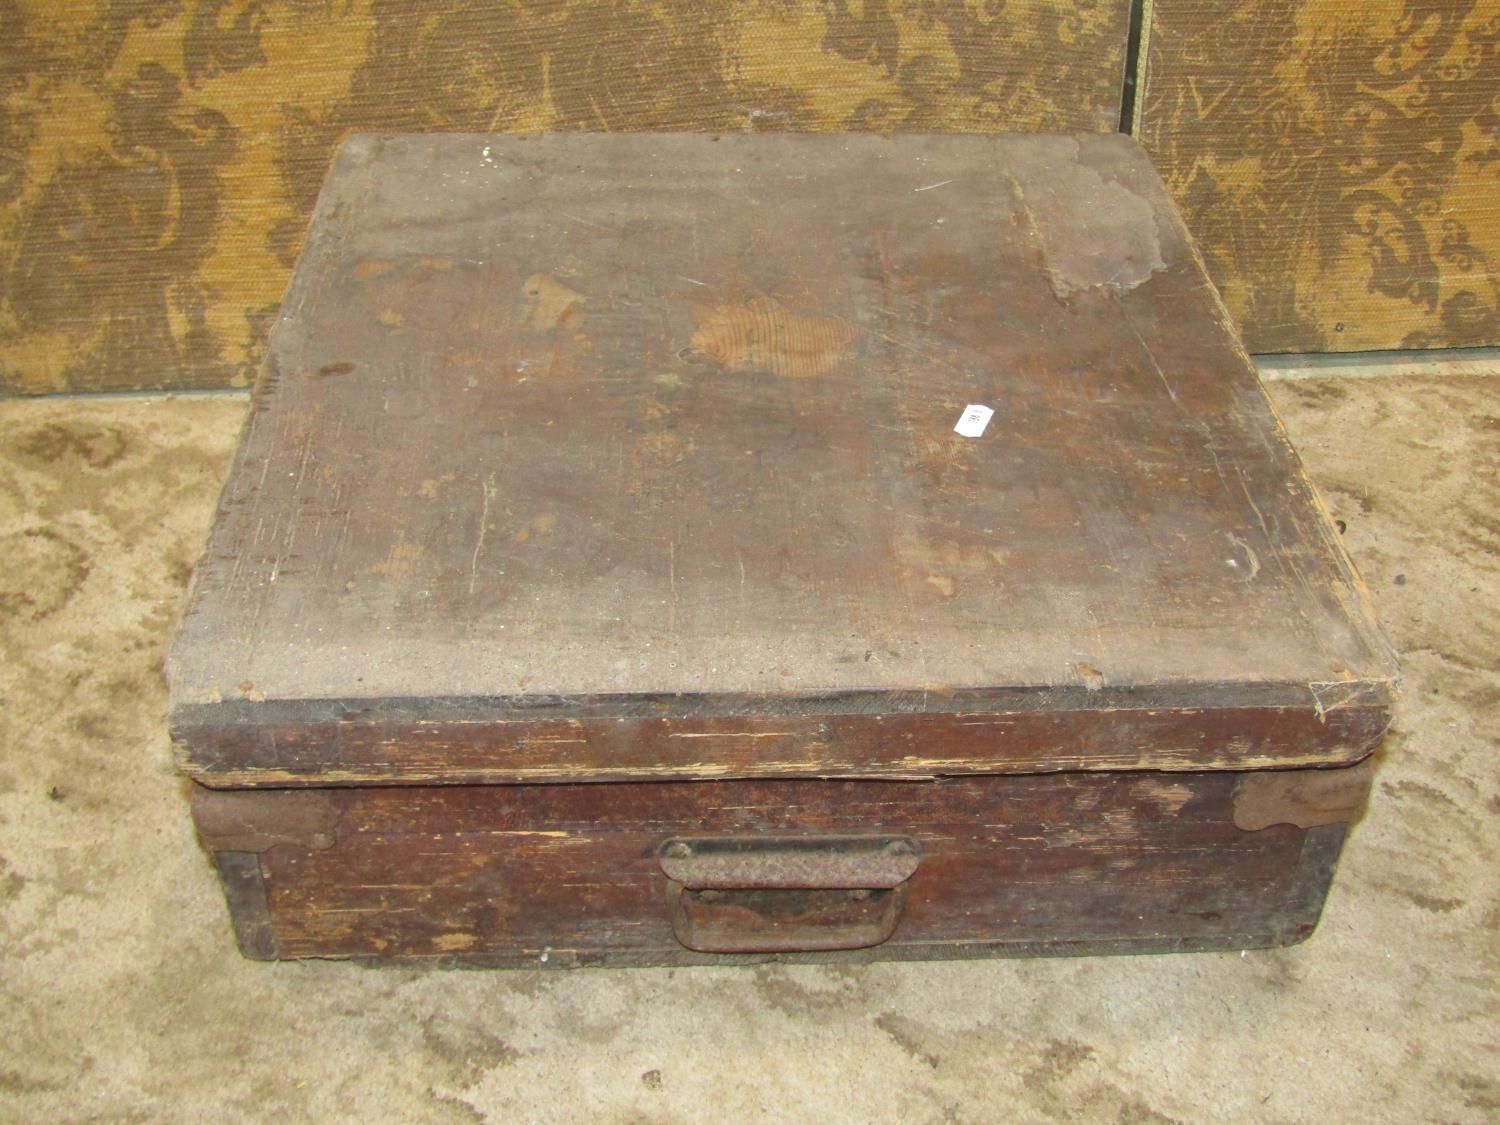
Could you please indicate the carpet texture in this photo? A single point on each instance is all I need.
(123, 997)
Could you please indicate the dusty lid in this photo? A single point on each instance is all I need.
(624, 456)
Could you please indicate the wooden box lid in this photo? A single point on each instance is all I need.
(607, 456)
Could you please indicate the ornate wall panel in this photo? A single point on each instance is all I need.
(1339, 161)
(158, 160)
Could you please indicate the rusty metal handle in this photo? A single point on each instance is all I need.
(786, 894)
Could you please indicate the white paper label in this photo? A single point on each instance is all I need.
(973, 420)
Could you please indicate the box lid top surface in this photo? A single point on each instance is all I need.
(611, 418)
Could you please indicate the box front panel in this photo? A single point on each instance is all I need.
(572, 874)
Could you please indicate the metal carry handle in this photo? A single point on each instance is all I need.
(786, 894)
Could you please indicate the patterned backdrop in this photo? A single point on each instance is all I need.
(1339, 161)
(158, 160)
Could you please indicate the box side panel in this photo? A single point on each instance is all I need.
(572, 874)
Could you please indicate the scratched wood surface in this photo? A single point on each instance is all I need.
(605, 430)
(562, 875)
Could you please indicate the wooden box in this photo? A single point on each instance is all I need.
(606, 574)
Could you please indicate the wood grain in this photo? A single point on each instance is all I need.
(502, 749)
(560, 875)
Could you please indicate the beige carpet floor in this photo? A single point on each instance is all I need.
(122, 996)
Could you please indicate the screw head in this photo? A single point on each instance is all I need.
(677, 850)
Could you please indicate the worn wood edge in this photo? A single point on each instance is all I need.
(249, 908)
(193, 597)
(325, 215)
(1188, 697)
(1339, 729)
(199, 732)
(1321, 848)
(1360, 607)
(925, 769)
(242, 779)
